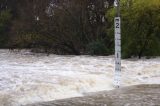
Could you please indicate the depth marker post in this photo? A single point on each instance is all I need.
(117, 26)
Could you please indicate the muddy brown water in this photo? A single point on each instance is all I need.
(139, 95)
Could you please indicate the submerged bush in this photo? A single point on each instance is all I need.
(97, 48)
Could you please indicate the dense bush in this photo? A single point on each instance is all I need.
(5, 18)
(98, 48)
(140, 27)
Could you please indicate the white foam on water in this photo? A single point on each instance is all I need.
(29, 78)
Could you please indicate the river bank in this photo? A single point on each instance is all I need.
(140, 95)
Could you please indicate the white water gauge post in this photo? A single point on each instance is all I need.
(117, 25)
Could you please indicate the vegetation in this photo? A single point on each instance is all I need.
(80, 26)
(5, 18)
(140, 27)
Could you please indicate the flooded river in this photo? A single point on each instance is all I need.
(29, 78)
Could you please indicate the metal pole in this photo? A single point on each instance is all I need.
(118, 8)
(117, 24)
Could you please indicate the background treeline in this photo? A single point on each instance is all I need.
(80, 26)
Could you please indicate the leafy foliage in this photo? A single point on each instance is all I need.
(140, 27)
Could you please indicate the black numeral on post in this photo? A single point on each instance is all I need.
(117, 25)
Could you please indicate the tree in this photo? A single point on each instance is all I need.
(78, 24)
(140, 27)
(67, 26)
